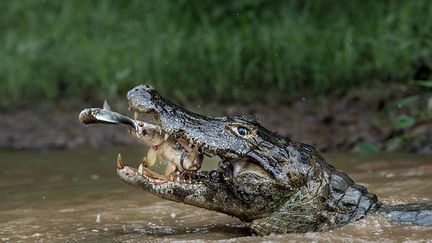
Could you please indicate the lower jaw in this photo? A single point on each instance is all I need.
(188, 177)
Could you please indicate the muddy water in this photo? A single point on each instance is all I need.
(75, 195)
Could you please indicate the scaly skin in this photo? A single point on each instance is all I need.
(271, 183)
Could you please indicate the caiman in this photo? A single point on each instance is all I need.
(268, 181)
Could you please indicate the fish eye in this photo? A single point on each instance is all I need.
(242, 131)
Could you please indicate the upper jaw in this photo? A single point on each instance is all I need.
(144, 99)
(230, 166)
(186, 176)
(185, 137)
(230, 159)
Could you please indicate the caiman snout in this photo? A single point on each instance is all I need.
(177, 153)
(141, 97)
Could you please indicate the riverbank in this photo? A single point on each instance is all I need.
(366, 121)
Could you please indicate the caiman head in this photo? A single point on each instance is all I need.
(271, 183)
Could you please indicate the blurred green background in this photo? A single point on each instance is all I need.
(223, 50)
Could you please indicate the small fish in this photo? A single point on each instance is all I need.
(105, 115)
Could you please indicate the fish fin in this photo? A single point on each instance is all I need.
(106, 106)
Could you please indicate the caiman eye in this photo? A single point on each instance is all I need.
(242, 131)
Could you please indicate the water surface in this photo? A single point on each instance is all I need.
(75, 195)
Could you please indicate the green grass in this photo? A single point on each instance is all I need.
(241, 50)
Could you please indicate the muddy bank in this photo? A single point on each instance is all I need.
(391, 119)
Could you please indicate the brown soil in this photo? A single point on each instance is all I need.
(334, 123)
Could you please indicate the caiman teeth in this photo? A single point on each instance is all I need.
(136, 115)
(120, 164)
(166, 136)
(142, 165)
(140, 169)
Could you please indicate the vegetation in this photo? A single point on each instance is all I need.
(203, 49)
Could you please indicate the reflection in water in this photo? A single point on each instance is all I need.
(76, 196)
